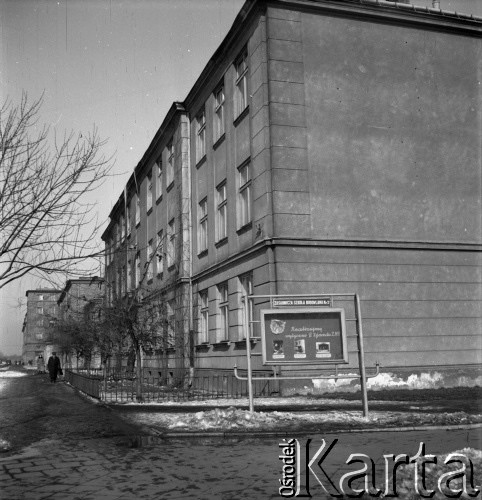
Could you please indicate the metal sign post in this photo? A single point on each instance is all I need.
(361, 356)
(248, 353)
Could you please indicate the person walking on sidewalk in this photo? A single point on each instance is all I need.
(40, 364)
(53, 366)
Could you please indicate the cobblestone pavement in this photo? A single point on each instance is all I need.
(80, 451)
(98, 469)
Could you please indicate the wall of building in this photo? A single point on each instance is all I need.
(376, 146)
(41, 310)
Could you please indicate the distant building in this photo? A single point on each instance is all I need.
(42, 312)
(76, 304)
(327, 147)
(77, 294)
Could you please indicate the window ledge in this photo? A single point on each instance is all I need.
(201, 161)
(221, 242)
(223, 344)
(219, 140)
(203, 346)
(202, 253)
(241, 116)
(242, 343)
(245, 228)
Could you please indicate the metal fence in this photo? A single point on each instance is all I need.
(87, 382)
(121, 387)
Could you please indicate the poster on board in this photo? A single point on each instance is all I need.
(303, 336)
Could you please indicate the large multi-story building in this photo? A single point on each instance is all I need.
(42, 312)
(328, 146)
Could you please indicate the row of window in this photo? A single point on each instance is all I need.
(124, 227)
(158, 251)
(50, 310)
(240, 104)
(222, 323)
(221, 214)
(132, 271)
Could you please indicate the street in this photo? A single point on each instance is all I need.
(67, 447)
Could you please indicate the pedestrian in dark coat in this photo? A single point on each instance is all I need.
(53, 366)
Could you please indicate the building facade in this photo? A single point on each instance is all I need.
(42, 312)
(328, 147)
(148, 242)
(78, 304)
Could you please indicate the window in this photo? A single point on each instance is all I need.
(160, 252)
(223, 316)
(203, 317)
(221, 213)
(137, 269)
(119, 282)
(200, 136)
(159, 177)
(40, 310)
(171, 235)
(107, 252)
(128, 219)
(111, 292)
(123, 282)
(171, 323)
(219, 113)
(246, 288)
(244, 195)
(122, 228)
(41, 297)
(150, 264)
(170, 164)
(138, 210)
(203, 225)
(130, 284)
(116, 235)
(39, 336)
(149, 193)
(241, 89)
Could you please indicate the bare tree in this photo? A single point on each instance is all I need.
(46, 225)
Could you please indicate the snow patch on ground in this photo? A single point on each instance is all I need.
(5, 445)
(237, 419)
(389, 380)
(12, 374)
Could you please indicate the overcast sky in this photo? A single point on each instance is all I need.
(118, 64)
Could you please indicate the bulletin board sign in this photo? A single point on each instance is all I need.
(303, 336)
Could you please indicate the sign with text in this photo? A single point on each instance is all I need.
(302, 302)
(303, 336)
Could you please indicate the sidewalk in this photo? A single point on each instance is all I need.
(190, 469)
(83, 451)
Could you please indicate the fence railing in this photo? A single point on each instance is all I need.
(85, 382)
(121, 387)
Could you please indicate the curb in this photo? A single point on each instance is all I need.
(284, 434)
